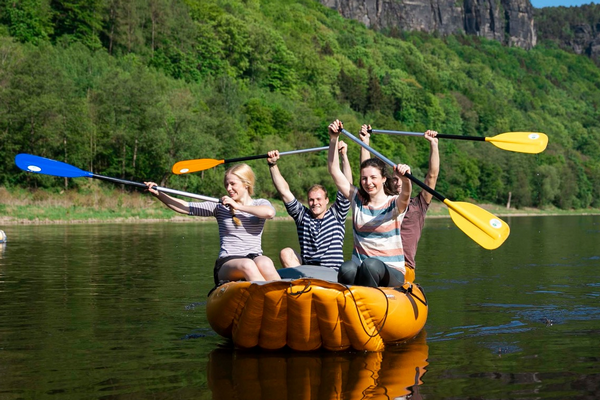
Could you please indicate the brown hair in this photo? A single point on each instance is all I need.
(316, 186)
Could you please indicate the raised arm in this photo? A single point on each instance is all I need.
(280, 183)
(346, 168)
(177, 205)
(404, 195)
(434, 164)
(365, 136)
(333, 163)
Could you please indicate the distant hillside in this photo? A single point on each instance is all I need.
(573, 28)
(126, 89)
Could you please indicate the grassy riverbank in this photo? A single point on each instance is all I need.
(96, 204)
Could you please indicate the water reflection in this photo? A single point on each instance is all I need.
(252, 375)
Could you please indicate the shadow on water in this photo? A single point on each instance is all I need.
(393, 374)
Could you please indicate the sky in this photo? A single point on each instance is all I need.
(556, 3)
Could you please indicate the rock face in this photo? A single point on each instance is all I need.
(508, 21)
(586, 40)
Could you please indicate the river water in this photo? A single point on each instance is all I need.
(117, 311)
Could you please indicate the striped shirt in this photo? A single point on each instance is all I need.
(321, 240)
(377, 232)
(235, 240)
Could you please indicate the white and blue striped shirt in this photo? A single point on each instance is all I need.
(321, 240)
(235, 240)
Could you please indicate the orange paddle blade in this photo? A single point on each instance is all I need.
(189, 166)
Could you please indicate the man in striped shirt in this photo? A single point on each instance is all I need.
(320, 229)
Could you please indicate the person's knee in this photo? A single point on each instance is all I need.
(374, 267)
(264, 262)
(288, 258)
(347, 273)
(372, 273)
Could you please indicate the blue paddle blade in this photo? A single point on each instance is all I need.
(41, 165)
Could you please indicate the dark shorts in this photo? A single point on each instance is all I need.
(220, 261)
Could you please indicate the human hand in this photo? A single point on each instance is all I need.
(364, 133)
(151, 186)
(229, 202)
(401, 170)
(273, 157)
(335, 128)
(343, 147)
(431, 136)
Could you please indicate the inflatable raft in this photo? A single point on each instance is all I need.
(308, 313)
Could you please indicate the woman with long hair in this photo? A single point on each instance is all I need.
(241, 221)
(378, 256)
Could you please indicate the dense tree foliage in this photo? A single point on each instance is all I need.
(127, 88)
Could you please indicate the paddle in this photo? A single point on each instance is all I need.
(480, 225)
(520, 142)
(46, 166)
(201, 164)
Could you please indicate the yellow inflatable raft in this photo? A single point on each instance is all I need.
(308, 314)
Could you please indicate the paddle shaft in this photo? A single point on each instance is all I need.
(439, 135)
(386, 160)
(230, 160)
(159, 188)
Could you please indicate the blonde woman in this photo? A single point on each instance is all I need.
(241, 221)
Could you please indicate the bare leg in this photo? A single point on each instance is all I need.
(241, 268)
(289, 258)
(266, 268)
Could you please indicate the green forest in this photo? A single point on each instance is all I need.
(128, 88)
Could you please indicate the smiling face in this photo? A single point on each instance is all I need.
(371, 180)
(236, 189)
(317, 203)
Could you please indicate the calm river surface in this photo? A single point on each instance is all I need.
(118, 312)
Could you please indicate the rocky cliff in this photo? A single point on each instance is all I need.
(508, 21)
(572, 28)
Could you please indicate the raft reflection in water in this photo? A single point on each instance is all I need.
(394, 373)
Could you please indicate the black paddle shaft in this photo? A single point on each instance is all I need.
(386, 160)
(439, 135)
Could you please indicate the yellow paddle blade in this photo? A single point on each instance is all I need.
(480, 225)
(521, 142)
(188, 166)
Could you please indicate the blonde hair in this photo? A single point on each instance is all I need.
(246, 175)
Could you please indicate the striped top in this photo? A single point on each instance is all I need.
(377, 232)
(321, 240)
(235, 240)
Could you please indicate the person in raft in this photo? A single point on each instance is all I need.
(378, 256)
(241, 221)
(320, 229)
(414, 220)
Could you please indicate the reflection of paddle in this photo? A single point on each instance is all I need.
(483, 227)
(201, 164)
(41, 165)
(521, 142)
